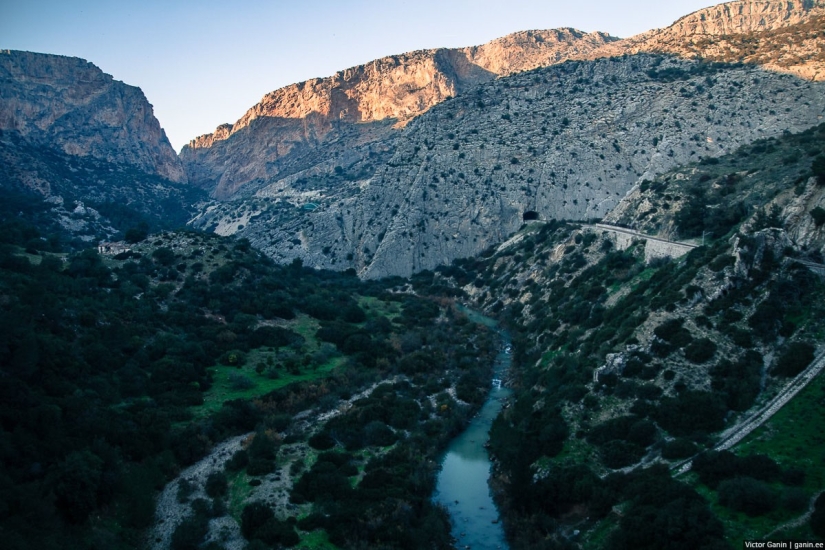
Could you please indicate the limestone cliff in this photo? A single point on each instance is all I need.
(70, 105)
(414, 160)
(293, 121)
(568, 142)
(779, 35)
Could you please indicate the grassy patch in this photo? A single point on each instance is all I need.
(224, 389)
(575, 451)
(315, 540)
(376, 308)
(547, 357)
(306, 326)
(793, 438)
(239, 491)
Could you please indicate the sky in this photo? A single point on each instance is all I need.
(205, 63)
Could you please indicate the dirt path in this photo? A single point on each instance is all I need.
(169, 512)
(273, 489)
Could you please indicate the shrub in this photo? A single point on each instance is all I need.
(379, 434)
(796, 357)
(672, 331)
(216, 485)
(189, 534)
(238, 381)
(260, 467)
(745, 494)
(794, 499)
(322, 441)
(818, 214)
(692, 412)
(253, 517)
(618, 454)
(818, 168)
(678, 448)
(238, 461)
(700, 351)
(818, 517)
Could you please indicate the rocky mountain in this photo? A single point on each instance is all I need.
(285, 131)
(84, 150)
(630, 365)
(345, 171)
(69, 104)
(783, 36)
(566, 142)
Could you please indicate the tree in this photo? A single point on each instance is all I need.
(818, 168)
(78, 480)
(818, 214)
(745, 494)
(794, 360)
(136, 234)
(216, 485)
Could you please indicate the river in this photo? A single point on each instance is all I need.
(462, 485)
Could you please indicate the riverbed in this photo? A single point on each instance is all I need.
(463, 482)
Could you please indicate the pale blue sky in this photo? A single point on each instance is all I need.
(205, 63)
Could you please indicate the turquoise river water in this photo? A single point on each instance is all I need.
(462, 485)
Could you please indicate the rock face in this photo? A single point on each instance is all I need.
(68, 104)
(784, 36)
(413, 160)
(567, 142)
(293, 122)
(740, 17)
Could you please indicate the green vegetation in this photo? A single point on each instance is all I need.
(622, 362)
(126, 198)
(131, 367)
(711, 198)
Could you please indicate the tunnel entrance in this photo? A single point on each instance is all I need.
(530, 215)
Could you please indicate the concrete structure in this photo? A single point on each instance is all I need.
(655, 247)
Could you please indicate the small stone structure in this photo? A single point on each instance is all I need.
(113, 249)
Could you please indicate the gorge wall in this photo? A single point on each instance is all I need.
(70, 105)
(566, 141)
(284, 132)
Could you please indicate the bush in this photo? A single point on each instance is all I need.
(795, 359)
(379, 434)
(678, 448)
(692, 412)
(818, 214)
(260, 467)
(277, 533)
(233, 358)
(253, 517)
(818, 517)
(700, 351)
(794, 499)
(745, 494)
(189, 534)
(216, 485)
(714, 467)
(618, 454)
(818, 168)
(322, 441)
(238, 461)
(238, 381)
